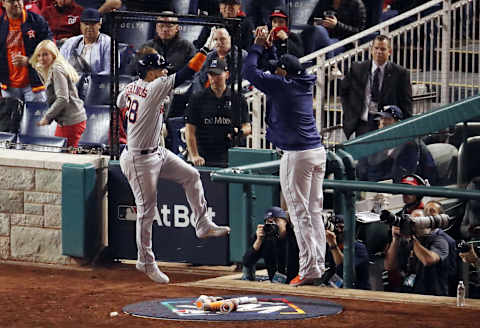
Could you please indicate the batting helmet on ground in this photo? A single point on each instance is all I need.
(151, 62)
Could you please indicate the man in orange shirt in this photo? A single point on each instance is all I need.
(20, 32)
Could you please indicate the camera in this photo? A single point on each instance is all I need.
(331, 221)
(463, 247)
(408, 225)
(272, 232)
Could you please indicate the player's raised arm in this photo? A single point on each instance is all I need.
(194, 65)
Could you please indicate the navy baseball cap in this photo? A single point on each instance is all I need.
(275, 212)
(217, 66)
(391, 111)
(291, 64)
(91, 15)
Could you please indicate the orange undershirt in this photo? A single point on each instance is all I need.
(18, 74)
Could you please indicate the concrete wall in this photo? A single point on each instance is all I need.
(31, 200)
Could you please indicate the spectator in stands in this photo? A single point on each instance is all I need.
(90, 51)
(334, 255)
(212, 121)
(150, 5)
(20, 32)
(63, 17)
(409, 157)
(169, 44)
(275, 243)
(65, 107)
(259, 11)
(412, 202)
(280, 38)
(372, 84)
(332, 21)
(230, 9)
(30, 5)
(417, 262)
(204, 7)
(223, 50)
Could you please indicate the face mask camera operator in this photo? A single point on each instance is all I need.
(275, 242)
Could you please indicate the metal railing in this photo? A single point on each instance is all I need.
(438, 42)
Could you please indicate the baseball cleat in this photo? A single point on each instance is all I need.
(299, 281)
(156, 275)
(208, 229)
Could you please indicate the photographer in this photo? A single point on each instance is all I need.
(275, 242)
(470, 256)
(334, 257)
(416, 259)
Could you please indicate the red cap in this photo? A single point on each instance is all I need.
(410, 180)
(279, 13)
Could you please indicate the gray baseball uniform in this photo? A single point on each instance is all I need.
(143, 162)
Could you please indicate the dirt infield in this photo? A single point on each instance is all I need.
(52, 297)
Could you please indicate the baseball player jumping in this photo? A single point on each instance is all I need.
(143, 162)
(292, 128)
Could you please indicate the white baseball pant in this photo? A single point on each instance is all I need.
(143, 172)
(301, 179)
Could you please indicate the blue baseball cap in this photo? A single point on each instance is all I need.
(90, 15)
(391, 111)
(291, 64)
(275, 212)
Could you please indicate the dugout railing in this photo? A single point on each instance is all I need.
(438, 42)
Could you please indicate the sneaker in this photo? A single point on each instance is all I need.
(299, 281)
(156, 275)
(206, 229)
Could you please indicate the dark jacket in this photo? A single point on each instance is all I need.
(176, 51)
(34, 29)
(246, 38)
(291, 125)
(351, 16)
(396, 90)
(279, 255)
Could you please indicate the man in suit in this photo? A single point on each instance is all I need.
(370, 85)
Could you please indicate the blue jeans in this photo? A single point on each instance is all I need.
(317, 37)
(26, 94)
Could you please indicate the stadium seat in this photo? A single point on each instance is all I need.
(11, 111)
(6, 137)
(445, 157)
(468, 159)
(98, 89)
(174, 127)
(135, 33)
(32, 114)
(41, 143)
(98, 127)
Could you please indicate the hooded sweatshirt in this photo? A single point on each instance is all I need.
(291, 125)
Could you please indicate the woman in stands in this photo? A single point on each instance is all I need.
(59, 78)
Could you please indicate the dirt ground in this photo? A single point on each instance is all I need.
(52, 297)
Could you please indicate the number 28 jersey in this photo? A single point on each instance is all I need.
(145, 108)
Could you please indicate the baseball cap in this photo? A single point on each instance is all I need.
(278, 12)
(291, 64)
(391, 111)
(231, 2)
(275, 212)
(413, 180)
(90, 15)
(217, 66)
